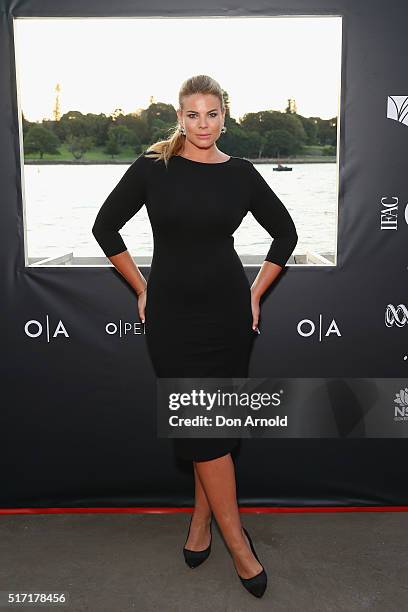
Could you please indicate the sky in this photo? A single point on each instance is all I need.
(109, 63)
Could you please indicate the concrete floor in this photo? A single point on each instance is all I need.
(317, 562)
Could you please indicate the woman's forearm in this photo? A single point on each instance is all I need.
(126, 266)
(265, 277)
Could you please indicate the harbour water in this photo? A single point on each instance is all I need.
(62, 200)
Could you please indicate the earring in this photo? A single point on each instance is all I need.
(223, 129)
(182, 130)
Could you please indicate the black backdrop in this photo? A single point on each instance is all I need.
(78, 421)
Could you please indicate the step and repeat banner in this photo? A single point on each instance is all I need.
(84, 421)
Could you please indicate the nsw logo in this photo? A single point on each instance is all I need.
(401, 408)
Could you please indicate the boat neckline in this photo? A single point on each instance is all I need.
(206, 163)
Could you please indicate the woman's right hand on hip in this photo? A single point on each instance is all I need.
(141, 304)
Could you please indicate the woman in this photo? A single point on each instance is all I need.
(201, 314)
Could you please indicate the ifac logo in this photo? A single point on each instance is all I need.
(401, 408)
(397, 109)
(389, 213)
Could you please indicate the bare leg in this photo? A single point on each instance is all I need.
(218, 481)
(199, 536)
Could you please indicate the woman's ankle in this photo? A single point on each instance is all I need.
(202, 518)
(238, 544)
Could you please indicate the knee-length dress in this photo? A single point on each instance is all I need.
(198, 316)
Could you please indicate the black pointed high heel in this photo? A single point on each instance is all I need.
(194, 558)
(257, 584)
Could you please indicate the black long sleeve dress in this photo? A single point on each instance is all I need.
(198, 316)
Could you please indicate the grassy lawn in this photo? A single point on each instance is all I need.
(128, 154)
(93, 154)
(312, 150)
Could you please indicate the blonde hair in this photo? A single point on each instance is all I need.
(201, 83)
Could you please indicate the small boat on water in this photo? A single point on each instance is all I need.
(280, 167)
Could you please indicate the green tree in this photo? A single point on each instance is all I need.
(112, 147)
(280, 143)
(41, 140)
(78, 145)
(159, 114)
(326, 131)
(311, 130)
(120, 134)
(273, 129)
(76, 124)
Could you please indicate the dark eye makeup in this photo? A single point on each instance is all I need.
(211, 114)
